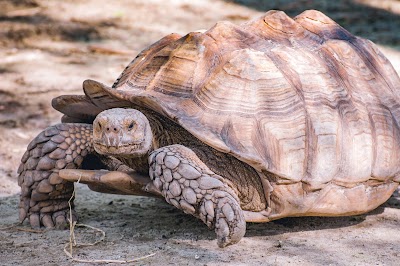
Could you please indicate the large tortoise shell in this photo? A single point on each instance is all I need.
(301, 100)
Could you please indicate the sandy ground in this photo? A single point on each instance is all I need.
(48, 48)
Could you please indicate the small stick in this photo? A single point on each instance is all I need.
(72, 240)
(105, 261)
(14, 226)
(10, 226)
(31, 230)
(72, 224)
(103, 236)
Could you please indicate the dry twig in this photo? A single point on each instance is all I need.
(72, 240)
(14, 227)
(10, 226)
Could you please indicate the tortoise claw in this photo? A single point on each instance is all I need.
(189, 185)
(43, 192)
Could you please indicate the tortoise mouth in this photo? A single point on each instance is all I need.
(126, 149)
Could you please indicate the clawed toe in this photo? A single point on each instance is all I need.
(230, 225)
(44, 194)
(190, 186)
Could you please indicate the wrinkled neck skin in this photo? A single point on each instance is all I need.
(139, 163)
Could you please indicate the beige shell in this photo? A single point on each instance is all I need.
(311, 107)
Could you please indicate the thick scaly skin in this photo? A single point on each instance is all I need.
(188, 184)
(44, 195)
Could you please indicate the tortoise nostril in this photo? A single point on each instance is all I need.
(115, 129)
(108, 129)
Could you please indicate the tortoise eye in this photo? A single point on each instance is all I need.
(99, 125)
(131, 125)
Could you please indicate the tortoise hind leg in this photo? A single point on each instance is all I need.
(44, 195)
(188, 184)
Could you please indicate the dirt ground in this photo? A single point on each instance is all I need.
(48, 48)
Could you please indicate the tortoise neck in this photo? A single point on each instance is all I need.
(138, 163)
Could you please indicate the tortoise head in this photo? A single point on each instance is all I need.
(122, 133)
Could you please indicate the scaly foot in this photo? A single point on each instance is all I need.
(44, 195)
(188, 184)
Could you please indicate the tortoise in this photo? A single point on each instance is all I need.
(272, 118)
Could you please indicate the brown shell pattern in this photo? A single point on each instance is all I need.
(300, 98)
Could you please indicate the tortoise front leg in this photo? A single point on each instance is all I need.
(44, 195)
(188, 184)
